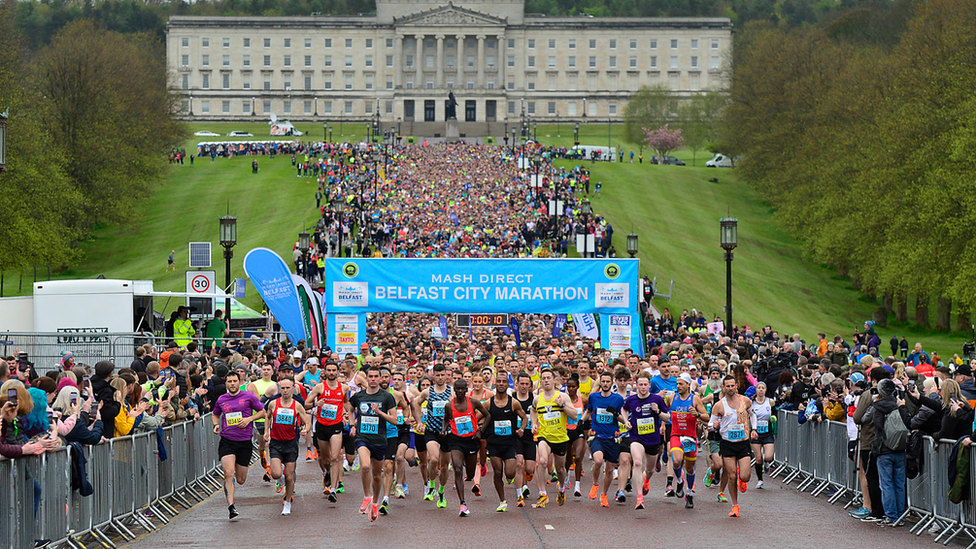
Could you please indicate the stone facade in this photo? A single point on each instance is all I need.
(402, 62)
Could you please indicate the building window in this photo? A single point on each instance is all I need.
(693, 84)
(186, 82)
(328, 42)
(328, 60)
(185, 42)
(470, 85)
(694, 43)
(450, 61)
(714, 61)
(409, 84)
(308, 82)
(430, 84)
(674, 44)
(287, 42)
(653, 61)
(491, 84)
(490, 43)
(267, 42)
(206, 60)
(450, 84)
(369, 60)
(225, 80)
(247, 60)
(247, 42)
(308, 60)
(530, 85)
(206, 82)
(429, 61)
(327, 107)
(246, 106)
(267, 82)
(471, 61)
(287, 60)
(328, 81)
(225, 107)
(205, 107)
(592, 44)
(633, 61)
(531, 43)
(308, 43)
(408, 44)
(552, 44)
(592, 61)
(348, 60)
(369, 81)
(552, 61)
(571, 108)
(225, 42)
(572, 61)
(348, 107)
(388, 107)
(308, 107)
(694, 61)
(450, 44)
(348, 42)
(674, 61)
(531, 61)
(369, 42)
(633, 44)
(613, 44)
(348, 81)
(511, 61)
(613, 109)
(490, 60)
(267, 60)
(531, 107)
(511, 43)
(286, 107)
(510, 85)
(429, 43)
(409, 60)
(613, 61)
(185, 61)
(389, 83)
(389, 60)
(205, 42)
(226, 61)
(572, 44)
(552, 107)
(714, 43)
(389, 42)
(591, 108)
(368, 106)
(266, 106)
(654, 44)
(511, 107)
(288, 83)
(246, 80)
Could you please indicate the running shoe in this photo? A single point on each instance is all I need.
(721, 498)
(484, 470)
(502, 507)
(365, 507)
(315, 454)
(594, 490)
(441, 501)
(278, 486)
(886, 522)
(689, 501)
(332, 497)
(577, 493)
(374, 512)
(529, 476)
(621, 496)
(646, 487)
(385, 507)
(679, 490)
(669, 492)
(326, 489)
(406, 490)
(657, 466)
(232, 512)
(429, 494)
(603, 501)
(554, 478)
(871, 518)
(860, 512)
(463, 512)
(541, 504)
(743, 486)
(267, 475)
(476, 490)
(629, 487)
(308, 455)
(285, 508)
(640, 503)
(340, 489)
(709, 478)
(520, 501)
(355, 464)
(735, 511)
(561, 498)
(525, 491)
(759, 485)
(399, 492)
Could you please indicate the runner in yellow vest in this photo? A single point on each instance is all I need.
(260, 388)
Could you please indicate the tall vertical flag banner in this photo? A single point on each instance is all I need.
(586, 324)
(271, 278)
(311, 305)
(557, 324)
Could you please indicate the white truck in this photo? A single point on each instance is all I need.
(719, 161)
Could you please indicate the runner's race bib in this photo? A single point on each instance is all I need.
(233, 418)
(369, 425)
(645, 426)
(329, 411)
(579, 415)
(551, 418)
(762, 426)
(503, 428)
(688, 445)
(602, 416)
(736, 434)
(285, 416)
(399, 417)
(438, 408)
(463, 425)
(528, 423)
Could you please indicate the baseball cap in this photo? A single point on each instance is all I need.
(857, 378)
(312, 360)
(686, 378)
(714, 369)
(297, 354)
(964, 370)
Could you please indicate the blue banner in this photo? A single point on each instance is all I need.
(273, 282)
(620, 332)
(481, 285)
(586, 325)
(557, 324)
(516, 329)
(443, 326)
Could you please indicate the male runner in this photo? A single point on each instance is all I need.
(405, 422)
(525, 450)
(392, 436)
(731, 417)
(233, 413)
(331, 398)
(603, 410)
(622, 379)
(686, 410)
(549, 423)
(462, 430)
(281, 436)
(665, 384)
(643, 413)
(305, 381)
(437, 397)
(505, 429)
(260, 388)
(374, 409)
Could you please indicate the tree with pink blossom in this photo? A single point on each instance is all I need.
(663, 140)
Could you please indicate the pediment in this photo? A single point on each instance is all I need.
(449, 15)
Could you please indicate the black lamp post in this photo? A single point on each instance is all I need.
(340, 207)
(315, 102)
(514, 141)
(729, 229)
(228, 238)
(399, 135)
(325, 131)
(576, 135)
(254, 101)
(303, 245)
(535, 132)
(3, 140)
(632, 245)
(586, 210)
(330, 134)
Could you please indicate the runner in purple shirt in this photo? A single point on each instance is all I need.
(233, 414)
(643, 413)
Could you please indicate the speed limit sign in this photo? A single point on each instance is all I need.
(201, 282)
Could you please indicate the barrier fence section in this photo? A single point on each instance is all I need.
(815, 456)
(44, 349)
(133, 489)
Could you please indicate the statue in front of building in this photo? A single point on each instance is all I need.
(450, 112)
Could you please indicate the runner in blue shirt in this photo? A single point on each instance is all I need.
(603, 409)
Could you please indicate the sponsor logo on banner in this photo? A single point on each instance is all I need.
(350, 270)
(346, 349)
(346, 338)
(346, 327)
(350, 294)
(612, 271)
(347, 319)
(613, 295)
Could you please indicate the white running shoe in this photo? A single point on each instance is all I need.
(759, 485)
(286, 509)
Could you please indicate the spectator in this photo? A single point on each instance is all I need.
(16, 445)
(918, 356)
(216, 329)
(964, 377)
(139, 363)
(128, 416)
(183, 330)
(890, 461)
(868, 470)
(928, 419)
(957, 415)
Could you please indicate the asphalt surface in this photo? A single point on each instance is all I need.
(777, 516)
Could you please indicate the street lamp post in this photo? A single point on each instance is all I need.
(303, 245)
(586, 210)
(632, 245)
(728, 238)
(228, 238)
(576, 135)
(340, 207)
(513, 141)
(3, 140)
(535, 132)
(330, 134)
(254, 101)
(315, 101)
(325, 131)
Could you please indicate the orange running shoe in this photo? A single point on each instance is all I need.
(603, 501)
(743, 486)
(647, 486)
(735, 511)
(593, 491)
(365, 507)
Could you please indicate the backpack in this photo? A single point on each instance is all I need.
(914, 457)
(895, 432)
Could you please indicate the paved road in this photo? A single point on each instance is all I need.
(775, 517)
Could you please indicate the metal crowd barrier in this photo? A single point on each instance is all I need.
(44, 349)
(814, 455)
(133, 489)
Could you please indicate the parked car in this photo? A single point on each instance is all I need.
(719, 161)
(204, 133)
(240, 134)
(668, 161)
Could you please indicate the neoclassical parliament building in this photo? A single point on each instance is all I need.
(399, 65)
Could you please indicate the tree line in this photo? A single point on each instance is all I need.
(859, 134)
(90, 122)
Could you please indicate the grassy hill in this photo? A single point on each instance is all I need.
(674, 210)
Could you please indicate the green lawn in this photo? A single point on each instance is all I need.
(674, 210)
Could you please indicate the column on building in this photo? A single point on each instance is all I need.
(420, 62)
(481, 62)
(439, 62)
(398, 66)
(500, 63)
(460, 61)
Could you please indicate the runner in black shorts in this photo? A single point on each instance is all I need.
(463, 427)
(285, 417)
(506, 415)
(622, 378)
(525, 452)
(233, 414)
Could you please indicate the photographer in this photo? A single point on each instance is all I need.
(890, 461)
(928, 419)
(871, 509)
(957, 415)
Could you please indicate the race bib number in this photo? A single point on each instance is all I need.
(503, 428)
(645, 426)
(329, 411)
(528, 423)
(233, 418)
(762, 427)
(285, 416)
(399, 417)
(438, 408)
(463, 425)
(552, 418)
(737, 433)
(688, 445)
(369, 425)
(604, 417)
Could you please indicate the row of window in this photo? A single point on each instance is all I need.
(308, 107)
(632, 61)
(409, 43)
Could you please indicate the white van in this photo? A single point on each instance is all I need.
(587, 151)
(719, 161)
